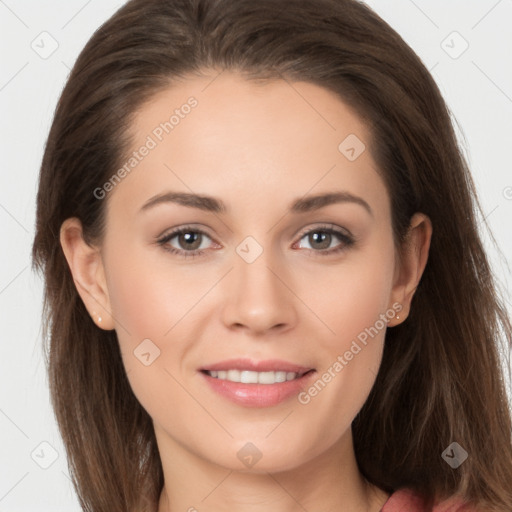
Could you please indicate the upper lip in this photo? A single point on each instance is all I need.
(269, 365)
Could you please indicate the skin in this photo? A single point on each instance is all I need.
(257, 147)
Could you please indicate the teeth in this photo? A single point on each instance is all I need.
(249, 377)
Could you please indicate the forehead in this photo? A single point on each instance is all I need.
(273, 110)
(224, 135)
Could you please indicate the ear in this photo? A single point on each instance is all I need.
(409, 268)
(88, 273)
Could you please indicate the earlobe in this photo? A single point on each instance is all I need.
(86, 267)
(414, 256)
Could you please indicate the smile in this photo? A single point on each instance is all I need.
(252, 377)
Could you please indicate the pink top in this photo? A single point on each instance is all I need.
(405, 500)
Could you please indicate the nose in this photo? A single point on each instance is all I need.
(260, 297)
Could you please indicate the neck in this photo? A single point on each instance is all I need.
(330, 481)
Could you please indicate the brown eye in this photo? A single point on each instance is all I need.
(188, 241)
(321, 239)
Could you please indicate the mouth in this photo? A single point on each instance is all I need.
(252, 383)
(255, 377)
(249, 371)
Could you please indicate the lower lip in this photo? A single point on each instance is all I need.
(258, 395)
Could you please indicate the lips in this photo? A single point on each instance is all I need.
(269, 389)
(270, 365)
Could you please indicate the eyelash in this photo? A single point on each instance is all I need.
(347, 240)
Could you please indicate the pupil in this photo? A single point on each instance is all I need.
(323, 236)
(190, 237)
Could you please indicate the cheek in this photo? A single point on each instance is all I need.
(148, 299)
(134, 299)
(355, 309)
(352, 298)
(151, 301)
(145, 307)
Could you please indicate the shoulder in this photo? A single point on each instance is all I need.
(406, 500)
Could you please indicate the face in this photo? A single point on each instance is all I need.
(261, 272)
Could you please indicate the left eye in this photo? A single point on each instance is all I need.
(322, 238)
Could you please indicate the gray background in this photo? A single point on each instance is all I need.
(39, 43)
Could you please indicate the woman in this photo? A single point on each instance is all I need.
(203, 352)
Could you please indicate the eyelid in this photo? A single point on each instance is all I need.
(179, 229)
(172, 233)
(326, 226)
(345, 236)
(300, 234)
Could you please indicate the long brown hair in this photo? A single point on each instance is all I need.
(440, 380)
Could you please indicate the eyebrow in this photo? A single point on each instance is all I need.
(212, 204)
